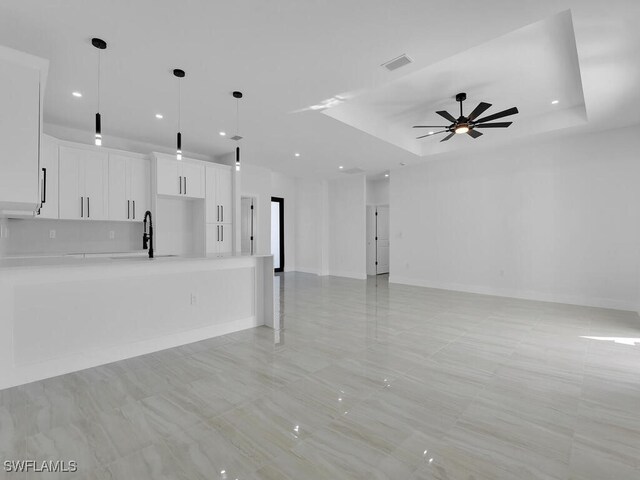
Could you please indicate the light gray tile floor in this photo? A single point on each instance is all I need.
(366, 381)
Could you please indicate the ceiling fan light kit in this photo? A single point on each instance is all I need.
(468, 124)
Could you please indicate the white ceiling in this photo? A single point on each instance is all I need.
(287, 55)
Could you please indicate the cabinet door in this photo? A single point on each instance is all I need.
(225, 245)
(167, 177)
(193, 174)
(96, 173)
(49, 178)
(224, 195)
(119, 199)
(19, 133)
(213, 233)
(212, 210)
(139, 181)
(70, 198)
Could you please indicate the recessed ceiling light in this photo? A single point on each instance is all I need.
(340, 167)
(296, 154)
(386, 174)
(159, 115)
(431, 133)
(222, 134)
(555, 102)
(77, 94)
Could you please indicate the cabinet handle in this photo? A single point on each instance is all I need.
(180, 184)
(222, 213)
(81, 207)
(88, 211)
(222, 230)
(218, 211)
(134, 209)
(128, 204)
(185, 185)
(218, 227)
(44, 185)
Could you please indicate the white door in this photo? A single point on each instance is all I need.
(246, 225)
(49, 180)
(225, 245)
(119, 201)
(71, 199)
(139, 188)
(224, 194)
(212, 210)
(96, 171)
(382, 239)
(169, 181)
(193, 180)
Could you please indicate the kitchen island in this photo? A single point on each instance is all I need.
(71, 313)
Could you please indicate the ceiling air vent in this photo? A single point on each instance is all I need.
(236, 138)
(397, 62)
(353, 170)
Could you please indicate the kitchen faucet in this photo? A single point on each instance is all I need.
(147, 237)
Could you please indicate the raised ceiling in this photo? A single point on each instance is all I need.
(287, 55)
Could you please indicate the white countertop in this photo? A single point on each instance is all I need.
(114, 258)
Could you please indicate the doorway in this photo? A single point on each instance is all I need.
(247, 224)
(377, 239)
(277, 233)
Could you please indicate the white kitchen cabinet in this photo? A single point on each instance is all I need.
(83, 183)
(219, 238)
(219, 197)
(49, 178)
(129, 188)
(22, 80)
(181, 178)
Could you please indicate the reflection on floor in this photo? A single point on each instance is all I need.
(366, 381)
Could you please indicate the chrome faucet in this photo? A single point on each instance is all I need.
(147, 236)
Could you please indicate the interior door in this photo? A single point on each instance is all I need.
(71, 199)
(277, 233)
(382, 239)
(246, 225)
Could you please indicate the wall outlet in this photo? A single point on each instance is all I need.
(52, 234)
(194, 299)
(112, 234)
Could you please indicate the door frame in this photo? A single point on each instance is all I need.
(280, 202)
(254, 221)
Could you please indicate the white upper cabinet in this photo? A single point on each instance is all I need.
(129, 187)
(182, 178)
(49, 178)
(83, 181)
(22, 79)
(219, 194)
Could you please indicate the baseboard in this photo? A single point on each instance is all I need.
(356, 275)
(522, 295)
(313, 271)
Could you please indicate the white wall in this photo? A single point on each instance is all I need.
(556, 220)
(309, 230)
(378, 192)
(347, 227)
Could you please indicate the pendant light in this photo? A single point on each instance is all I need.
(179, 74)
(237, 95)
(100, 45)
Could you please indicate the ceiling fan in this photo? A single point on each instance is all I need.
(469, 124)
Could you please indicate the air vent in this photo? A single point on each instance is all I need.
(236, 138)
(397, 62)
(353, 170)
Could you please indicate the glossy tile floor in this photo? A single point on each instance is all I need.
(367, 381)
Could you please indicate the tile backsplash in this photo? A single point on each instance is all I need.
(42, 236)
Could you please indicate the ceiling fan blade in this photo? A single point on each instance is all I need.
(474, 134)
(448, 137)
(495, 116)
(479, 110)
(430, 126)
(447, 115)
(431, 134)
(493, 125)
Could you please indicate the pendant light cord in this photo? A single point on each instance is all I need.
(98, 80)
(179, 102)
(237, 116)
